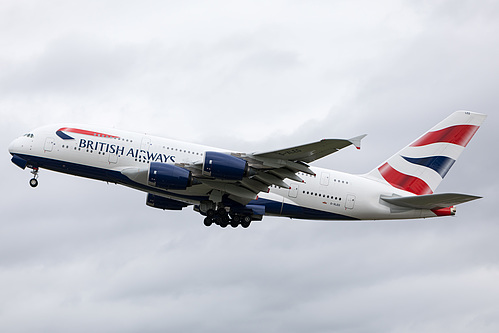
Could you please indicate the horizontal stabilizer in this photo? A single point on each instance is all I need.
(430, 201)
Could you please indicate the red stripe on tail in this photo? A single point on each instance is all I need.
(459, 135)
(403, 181)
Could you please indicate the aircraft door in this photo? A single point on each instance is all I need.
(350, 202)
(325, 178)
(49, 144)
(293, 191)
(145, 144)
(113, 158)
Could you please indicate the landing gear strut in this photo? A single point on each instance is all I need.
(33, 182)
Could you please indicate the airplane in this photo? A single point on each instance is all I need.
(237, 188)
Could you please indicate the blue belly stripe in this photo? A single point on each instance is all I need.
(297, 212)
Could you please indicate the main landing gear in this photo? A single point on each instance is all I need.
(223, 219)
(33, 182)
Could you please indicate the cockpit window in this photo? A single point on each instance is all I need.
(29, 135)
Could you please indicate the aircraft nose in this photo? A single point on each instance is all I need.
(13, 146)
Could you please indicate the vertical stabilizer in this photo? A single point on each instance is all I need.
(420, 167)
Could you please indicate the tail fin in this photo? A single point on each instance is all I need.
(420, 167)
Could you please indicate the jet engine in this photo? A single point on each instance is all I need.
(157, 201)
(224, 166)
(168, 176)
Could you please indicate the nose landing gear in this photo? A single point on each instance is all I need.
(33, 182)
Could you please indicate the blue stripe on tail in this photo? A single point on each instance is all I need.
(440, 164)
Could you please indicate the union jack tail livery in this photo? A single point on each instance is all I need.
(421, 166)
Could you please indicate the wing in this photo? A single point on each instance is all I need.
(268, 168)
(313, 151)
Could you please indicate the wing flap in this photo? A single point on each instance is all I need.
(286, 173)
(271, 179)
(233, 189)
(430, 201)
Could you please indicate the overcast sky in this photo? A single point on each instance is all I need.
(77, 255)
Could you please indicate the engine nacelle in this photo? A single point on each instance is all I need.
(164, 203)
(168, 176)
(224, 166)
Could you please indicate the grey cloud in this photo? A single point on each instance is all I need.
(70, 65)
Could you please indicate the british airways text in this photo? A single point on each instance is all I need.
(120, 150)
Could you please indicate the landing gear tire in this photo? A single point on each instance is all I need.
(246, 222)
(210, 213)
(234, 224)
(33, 182)
(208, 221)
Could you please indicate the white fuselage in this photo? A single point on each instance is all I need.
(329, 195)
